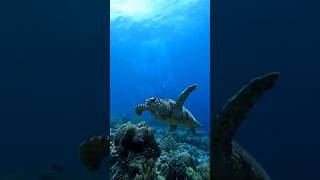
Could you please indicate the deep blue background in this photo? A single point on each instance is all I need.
(254, 37)
(160, 54)
(52, 73)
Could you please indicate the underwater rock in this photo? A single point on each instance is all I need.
(135, 138)
(134, 152)
(94, 151)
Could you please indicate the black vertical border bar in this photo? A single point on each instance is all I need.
(107, 118)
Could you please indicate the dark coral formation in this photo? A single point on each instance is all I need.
(93, 151)
(134, 152)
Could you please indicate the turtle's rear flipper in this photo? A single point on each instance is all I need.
(183, 96)
(93, 151)
(233, 114)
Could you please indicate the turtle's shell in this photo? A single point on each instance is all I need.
(166, 111)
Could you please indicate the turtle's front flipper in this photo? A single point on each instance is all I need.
(93, 151)
(183, 96)
(231, 117)
(140, 108)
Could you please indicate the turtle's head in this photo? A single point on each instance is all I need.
(153, 103)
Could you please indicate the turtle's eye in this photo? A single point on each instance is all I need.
(152, 99)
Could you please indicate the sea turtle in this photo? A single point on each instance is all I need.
(171, 112)
(230, 160)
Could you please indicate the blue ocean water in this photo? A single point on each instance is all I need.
(252, 38)
(158, 48)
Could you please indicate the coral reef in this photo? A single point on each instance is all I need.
(168, 143)
(134, 152)
(138, 152)
(198, 144)
(175, 166)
